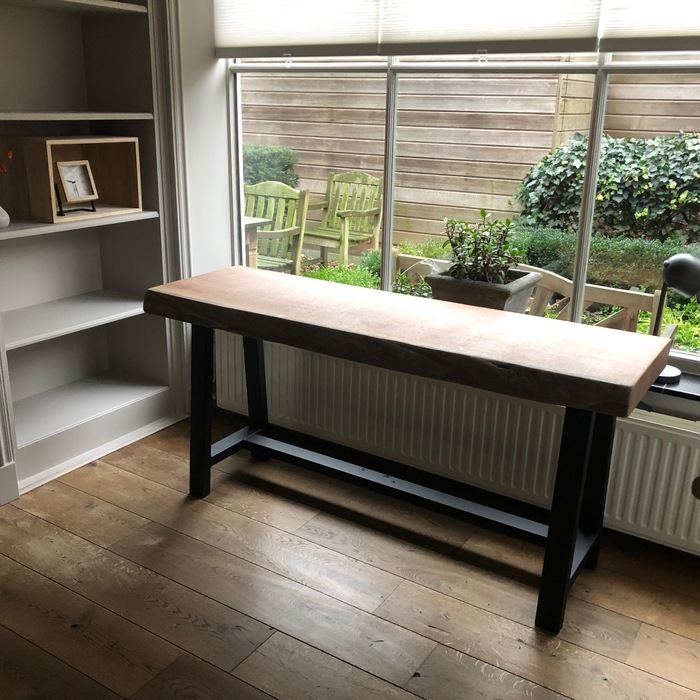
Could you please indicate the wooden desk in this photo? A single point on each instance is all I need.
(252, 224)
(596, 373)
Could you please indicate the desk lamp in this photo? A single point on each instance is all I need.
(681, 274)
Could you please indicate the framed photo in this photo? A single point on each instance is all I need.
(76, 181)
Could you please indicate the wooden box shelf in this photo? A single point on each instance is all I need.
(115, 166)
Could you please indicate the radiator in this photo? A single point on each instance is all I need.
(499, 443)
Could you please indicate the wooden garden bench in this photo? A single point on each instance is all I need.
(629, 303)
(350, 214)
(553, 295)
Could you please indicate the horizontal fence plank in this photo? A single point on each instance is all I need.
(666, 93)
(449, 103)
(416, 134)
(651, 124)
(617, 106)
(477, 85)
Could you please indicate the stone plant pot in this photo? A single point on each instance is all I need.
(511, 296)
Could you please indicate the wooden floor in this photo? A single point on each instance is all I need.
(284, 583)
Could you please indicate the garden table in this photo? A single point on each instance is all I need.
(597, 374)
(251, 224)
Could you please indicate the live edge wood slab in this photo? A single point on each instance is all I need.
(597, 374)
(569, 364)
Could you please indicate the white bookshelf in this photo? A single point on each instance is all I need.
(40, 322)
(87, 369)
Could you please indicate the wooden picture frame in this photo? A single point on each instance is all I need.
(76, 183)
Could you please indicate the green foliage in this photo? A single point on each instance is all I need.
(403, 285)
(646, 187)
(481, 252)
(630, 263)
(356, 276)
(549, 248)
(428, 248)
(371, 260)
(264, 163)
(686, 315)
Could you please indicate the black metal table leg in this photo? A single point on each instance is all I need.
(596, 486)
(256, 389)
(201, 385)
(564, 518)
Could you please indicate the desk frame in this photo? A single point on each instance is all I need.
(571, 537)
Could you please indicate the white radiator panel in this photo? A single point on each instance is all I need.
(655, 460)
(502, 444)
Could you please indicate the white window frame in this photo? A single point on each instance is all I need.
(394, 67)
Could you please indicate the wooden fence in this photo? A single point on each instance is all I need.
(464, 142)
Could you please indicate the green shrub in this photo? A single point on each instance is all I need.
(646, 187)
(429, 248)
(356, 276)
(403, 285)
(686, 315)
(630, 263)
(263, 163)
(549, 248)
(371, 261)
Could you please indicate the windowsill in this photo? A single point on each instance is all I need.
(687, 388)
(681, 399)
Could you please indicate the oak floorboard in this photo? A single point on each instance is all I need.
(661, 590)
(30, 673)
(288, 669)
(172, 471)
(276, 550)
(175, 439)
(182, 616)
(460, 621)
(537, 656)
(457, 573)
(362, 639)
(90, 518)
(667, 654)
(660, 607)
(190, 678)
(448, 674)
(104, 646)
(343, 497)
(665, 568)
(152, 463)
(143, 498)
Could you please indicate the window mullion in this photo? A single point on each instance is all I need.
(590, 180)
(390, 123)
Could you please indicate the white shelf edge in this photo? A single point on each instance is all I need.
(79, 5)
(74, 116)
(22, 229)
(53, 319)
(52, 412)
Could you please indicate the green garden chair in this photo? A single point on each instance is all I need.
(350, 214)
(279, 243)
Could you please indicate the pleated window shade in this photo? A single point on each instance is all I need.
(272, 28)
(650, 25)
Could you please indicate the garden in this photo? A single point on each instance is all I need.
(647, 209)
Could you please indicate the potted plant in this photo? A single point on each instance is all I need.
(482, 267)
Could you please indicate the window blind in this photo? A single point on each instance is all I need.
(270, 28)
(650, 25)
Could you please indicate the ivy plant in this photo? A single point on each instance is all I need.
(647, 188)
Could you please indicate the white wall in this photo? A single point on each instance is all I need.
(203, 139)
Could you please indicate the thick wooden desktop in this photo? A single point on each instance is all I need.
(597, 374)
